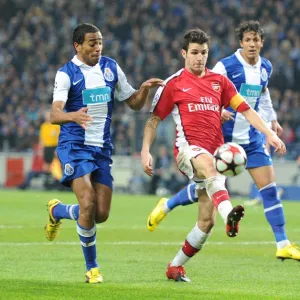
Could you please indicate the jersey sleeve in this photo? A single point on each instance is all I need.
(123, 89)
(163, 103)
(230, 97)
(220, 69)
(61, 87)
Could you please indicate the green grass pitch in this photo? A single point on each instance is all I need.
(133, 260)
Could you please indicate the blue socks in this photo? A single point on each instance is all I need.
(186, 196)
(62, 211)
(272, 206)
(88, 242)
(274, 211)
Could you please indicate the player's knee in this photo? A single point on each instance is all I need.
(87, 204)
(102, 217)
(208, 171)
(215, 184)
(87, 210)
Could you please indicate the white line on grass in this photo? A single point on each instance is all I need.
(135, 227)
(132, 243)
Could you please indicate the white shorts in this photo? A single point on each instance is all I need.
(195, 151)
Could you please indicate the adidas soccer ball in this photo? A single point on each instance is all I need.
(230, 159)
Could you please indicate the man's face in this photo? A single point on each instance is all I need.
(90, 50)
(195, 58)
(251, 44)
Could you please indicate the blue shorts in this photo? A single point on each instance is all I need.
(78, 160)
(257, 155)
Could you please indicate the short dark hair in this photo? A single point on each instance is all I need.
(195, 35)
(249, 26)
(80, 31)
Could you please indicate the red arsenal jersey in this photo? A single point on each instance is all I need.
(196, 105)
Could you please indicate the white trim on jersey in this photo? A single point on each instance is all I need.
(180, 136)
(220, 68)
(161, 89)
(123, 89)
(61, 87)
(266, 107)
(78, 62)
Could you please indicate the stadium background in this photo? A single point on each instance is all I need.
(144, 37)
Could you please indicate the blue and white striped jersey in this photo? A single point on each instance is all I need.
(80, 85)
(251, 81)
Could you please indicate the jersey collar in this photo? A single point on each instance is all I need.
(79, 63)
(242, 60)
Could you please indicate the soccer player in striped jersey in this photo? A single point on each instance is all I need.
(250, 74)
(84, 94)
(196, 96)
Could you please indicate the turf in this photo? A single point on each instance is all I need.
(133, 260)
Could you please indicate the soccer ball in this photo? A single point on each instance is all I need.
(230, 159)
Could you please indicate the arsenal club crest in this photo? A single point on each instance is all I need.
(216, 86)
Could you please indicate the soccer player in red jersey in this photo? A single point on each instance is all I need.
(195, 96)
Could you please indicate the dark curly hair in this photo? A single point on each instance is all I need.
(80, 31)
(249, 26)
(195, 35)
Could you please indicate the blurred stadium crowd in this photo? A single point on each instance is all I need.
(144, 37)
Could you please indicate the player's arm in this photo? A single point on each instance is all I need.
(162, 105)
(148, 139)
(60, 96)
(240, 105)
(137, 100)
(59, 116)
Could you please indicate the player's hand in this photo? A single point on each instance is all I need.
(152, 82)
(277, 143)
(226, 115)
(277, 128)
(184, 162)
(82, 118)
(147, 161)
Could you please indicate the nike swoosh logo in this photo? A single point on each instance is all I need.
(75, 82)
(236, 75)
(185, 90)
(221, 196)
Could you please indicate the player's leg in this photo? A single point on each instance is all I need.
(63, 211)
(215, 185)
(264, 178)
(186, 196)
(73, 164)
(102, 181)
(217, 192)
(195, 240)
(86, 226)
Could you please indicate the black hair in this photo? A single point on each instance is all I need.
(195, 35)
(80, 31)
(249, 26)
